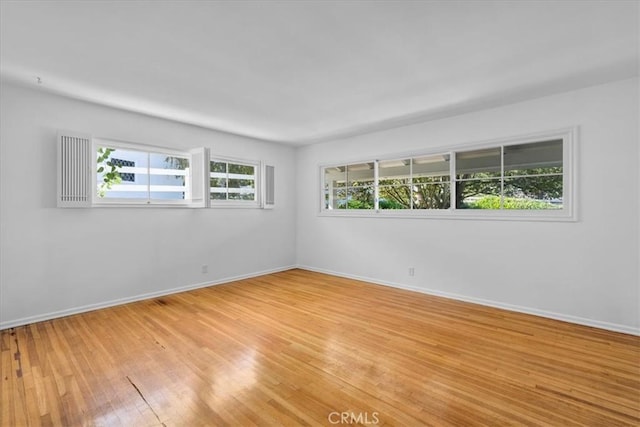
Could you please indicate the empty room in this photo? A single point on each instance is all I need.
(400, 213)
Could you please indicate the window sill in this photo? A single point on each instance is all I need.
(232, 205)
(512, 215)
(145, 205)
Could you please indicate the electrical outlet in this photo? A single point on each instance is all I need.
(205, 269)
(411, 271)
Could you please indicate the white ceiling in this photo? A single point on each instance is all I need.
(307, 71)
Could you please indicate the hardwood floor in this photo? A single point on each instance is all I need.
(301, 348)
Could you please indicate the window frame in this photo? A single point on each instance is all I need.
(569, 183)
(97, 201)
(248, 204)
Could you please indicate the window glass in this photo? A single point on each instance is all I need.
(478, 177)
(360, 186)
(395, 184)
(335, 182)
(533, 176)
(242, 182)
(431, 186)
(122, 174)
(232, 181)
(539, 158)
(168, 177)
(218, 180)
(533, 192)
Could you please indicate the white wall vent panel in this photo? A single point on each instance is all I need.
(74, 170)
(199, 178)
(269, 187)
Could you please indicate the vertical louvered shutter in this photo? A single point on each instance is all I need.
(269, 187)
(74, 170)
(199, 178)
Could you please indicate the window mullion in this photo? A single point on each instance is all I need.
(453, 185)
(226, 169)
(502, 177)
(411, 183)
(376, 188)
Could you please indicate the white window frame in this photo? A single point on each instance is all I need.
(569, 183)
(115, 202)
(251, 204)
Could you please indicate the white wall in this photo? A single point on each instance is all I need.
(586, 271)
(55, 261)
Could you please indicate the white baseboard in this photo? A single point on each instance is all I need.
(519, 309)
(90, 307)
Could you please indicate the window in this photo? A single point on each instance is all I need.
(350, 186)
(415, 183)
(515, 177)
(233, 183)
(136, 174)
(529, 177)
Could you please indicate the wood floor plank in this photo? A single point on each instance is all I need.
(303, 348)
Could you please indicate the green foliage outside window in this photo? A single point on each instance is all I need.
(111, 175)
(536, 190)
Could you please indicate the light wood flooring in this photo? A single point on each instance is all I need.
(302, 348)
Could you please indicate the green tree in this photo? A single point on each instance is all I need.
(423, 193)
(360, 196)
(539, 184)
(110, 176)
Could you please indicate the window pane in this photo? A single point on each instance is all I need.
(533, 159)
(394, 190)
(536, 192)
(121, 174)
(360, 197)
(241, 169)
(478, 194)
(478, 184)
(218, 195)
(168, 177)
(335, 177)
(335, 182)
(431, 167)
(218, 180)
(218, 166)
(241, 189)
(431, 186)
(395, 197)
(431, 196)
(163, 161)
(478, 164)
(360, 175)
(242, 184)
(394, 172)
(360, 181)
(340, 198)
